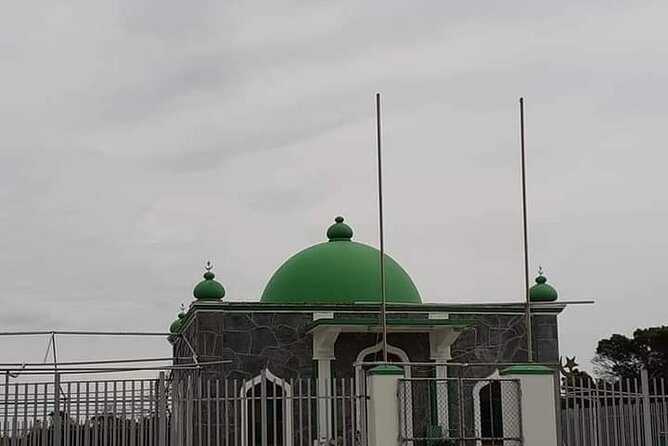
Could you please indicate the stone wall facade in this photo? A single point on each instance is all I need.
(501, 339)
(252, 341)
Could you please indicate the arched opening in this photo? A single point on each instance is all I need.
(266, 411)
(491, 414)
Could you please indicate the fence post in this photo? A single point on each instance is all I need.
(538, 405)
(646, 415)
(162, 410)
(384, 405)
(56, 409)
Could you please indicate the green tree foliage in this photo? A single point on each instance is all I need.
(623, 357)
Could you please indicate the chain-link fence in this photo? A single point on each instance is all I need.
(460, 412)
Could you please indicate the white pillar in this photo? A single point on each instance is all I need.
(324, 401)
(323, 353)
(384, 405)
(440, 343)
(442, 395)
(538, 404)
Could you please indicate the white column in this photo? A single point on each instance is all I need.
(442, 393)
(440, 342)
(323, 353)
(324, 403)
(383, 405)
(538, 404)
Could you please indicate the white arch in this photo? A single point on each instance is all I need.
(286, 401)
(391, 349)
(360, 383)
(509, 412)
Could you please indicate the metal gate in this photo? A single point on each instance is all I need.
(628, 412)
(460, 412)
(264, 411)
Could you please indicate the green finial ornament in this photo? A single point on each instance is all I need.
(541, 291)
(339, 231)
(209, 289)
(178, 323)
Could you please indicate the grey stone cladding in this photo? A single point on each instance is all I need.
(254, 340)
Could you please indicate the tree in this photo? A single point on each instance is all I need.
(623, 357)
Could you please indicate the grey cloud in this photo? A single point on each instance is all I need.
(141, 139)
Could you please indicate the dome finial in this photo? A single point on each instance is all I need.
(209, 289)
(178, 322)
(541, 291)
(339, 230)
(208, 275)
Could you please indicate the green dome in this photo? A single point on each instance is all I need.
(339, 272)
(177, 324)
(541, 291)
(209, 289)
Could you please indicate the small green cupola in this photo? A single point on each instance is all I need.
(178, 323)
(541, 291)
(209, 289)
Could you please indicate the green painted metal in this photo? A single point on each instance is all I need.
(386, 369)
(542, 292)
(209, 289)
(339, 272)
(527, 369)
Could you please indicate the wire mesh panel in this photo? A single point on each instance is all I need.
(460, 411)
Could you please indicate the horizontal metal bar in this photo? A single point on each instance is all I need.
(482, 380)
(455, 364)
(105, 361)
(41, 371)
(86, 333)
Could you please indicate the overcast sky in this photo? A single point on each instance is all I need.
(140, 139)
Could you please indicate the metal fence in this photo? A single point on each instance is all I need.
(82, 413)
(629, 412)
(264, 411)
(460, 412)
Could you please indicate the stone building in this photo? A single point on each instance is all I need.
(319, 316)
(317, 322)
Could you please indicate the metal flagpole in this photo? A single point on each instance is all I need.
(527, 311)
(383, 313)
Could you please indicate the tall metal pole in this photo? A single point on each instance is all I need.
(6, 413)
(383, 313)
(527, 311)
(57, 432)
